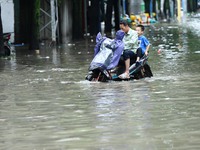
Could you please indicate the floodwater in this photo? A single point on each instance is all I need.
(46, 104)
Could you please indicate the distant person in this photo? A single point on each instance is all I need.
(143, 43)
(130, 46)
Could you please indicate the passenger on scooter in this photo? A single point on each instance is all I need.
(130, 46)
(142, 41)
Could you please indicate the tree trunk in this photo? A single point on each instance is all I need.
(94, 21)
(77, 13)
(192, 6)
(34, 24)
(2, 51)
(108, 22)
(109, 10)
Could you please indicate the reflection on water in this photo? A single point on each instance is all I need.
(45, 103)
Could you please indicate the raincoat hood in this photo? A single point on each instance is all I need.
(119, 35)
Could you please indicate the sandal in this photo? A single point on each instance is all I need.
(124, 76)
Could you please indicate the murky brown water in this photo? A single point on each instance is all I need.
(45, 103)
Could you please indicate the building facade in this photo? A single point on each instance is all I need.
(7, 15)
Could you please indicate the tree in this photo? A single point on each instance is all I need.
(34, 24)
(109, 10)
(94, 17)
(77, 17)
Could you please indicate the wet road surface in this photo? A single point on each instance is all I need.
(46, 104)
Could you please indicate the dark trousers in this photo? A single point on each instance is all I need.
(130, 54)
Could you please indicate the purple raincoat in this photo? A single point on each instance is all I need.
(107, 51)
(118, 49)
(99, 40)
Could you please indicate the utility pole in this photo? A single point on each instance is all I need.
(53, 20)
(179, 10)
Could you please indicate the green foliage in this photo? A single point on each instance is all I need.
(37, 16)
(60, 2)
(34, 25)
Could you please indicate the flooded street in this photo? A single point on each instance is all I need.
(46, 104)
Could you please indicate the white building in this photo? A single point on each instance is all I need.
(7, 16)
